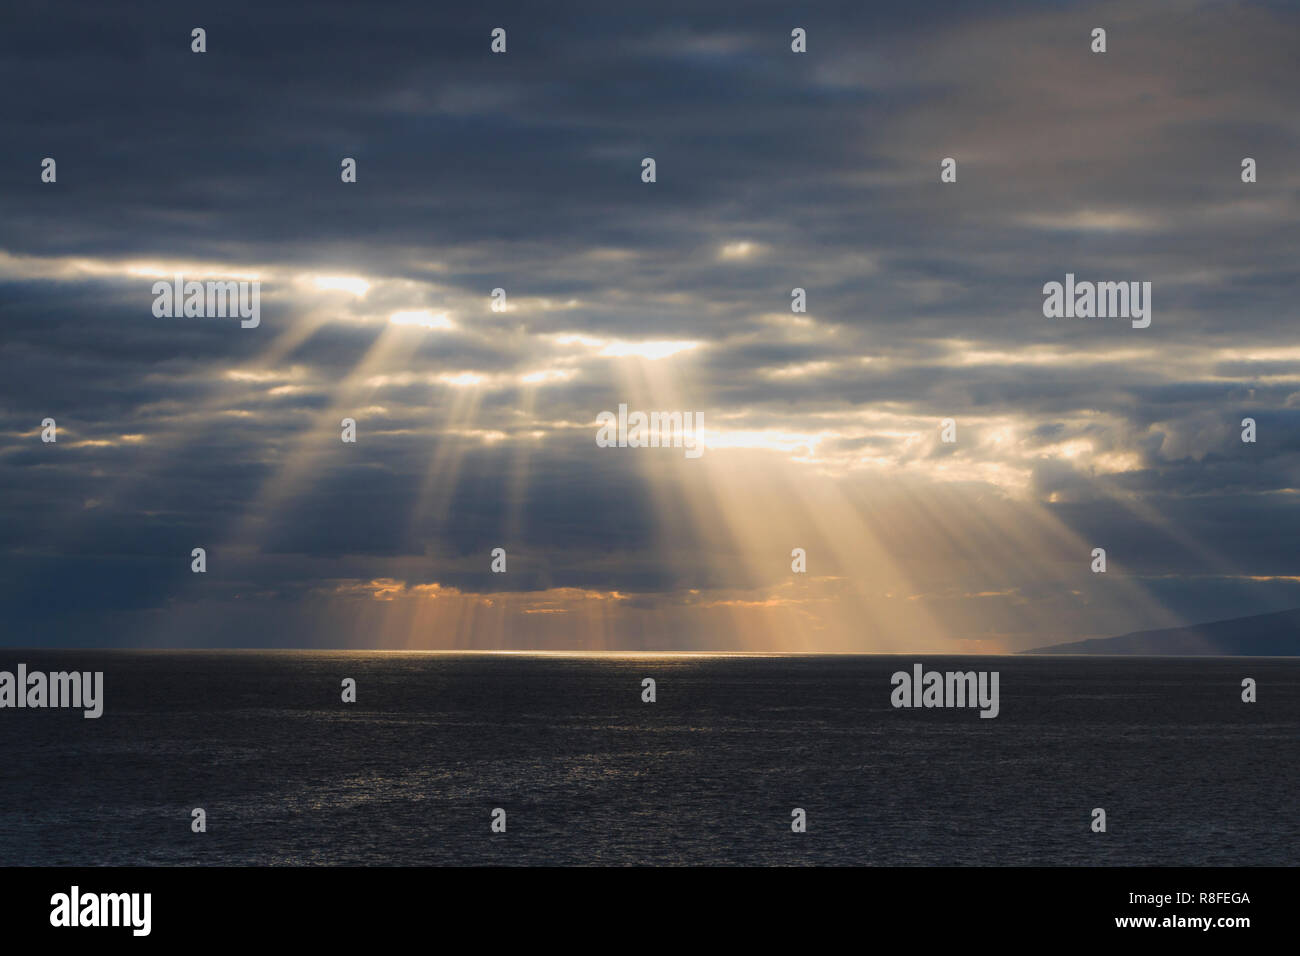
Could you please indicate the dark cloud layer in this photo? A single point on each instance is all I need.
(522, 171)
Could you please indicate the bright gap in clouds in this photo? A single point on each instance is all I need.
(623, 348)
(354, 284)
(423, 318)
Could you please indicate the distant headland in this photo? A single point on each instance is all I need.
(1261, 635)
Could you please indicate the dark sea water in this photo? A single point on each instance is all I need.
(588, 774)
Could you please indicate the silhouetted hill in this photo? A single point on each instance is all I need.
(1262, 635)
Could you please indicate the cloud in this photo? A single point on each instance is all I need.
(776, 171)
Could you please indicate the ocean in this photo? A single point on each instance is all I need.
(588, 773)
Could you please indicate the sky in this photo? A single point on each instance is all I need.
(476, 429)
